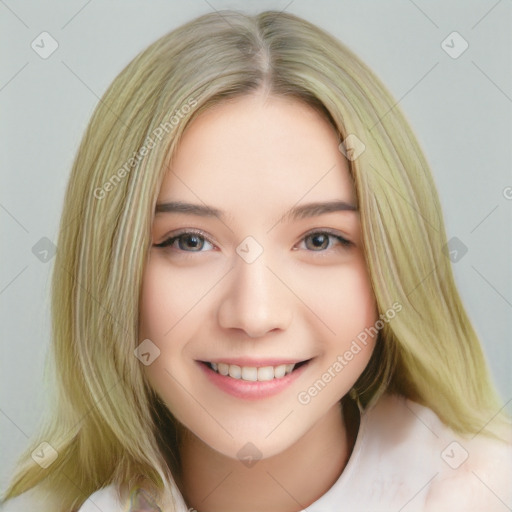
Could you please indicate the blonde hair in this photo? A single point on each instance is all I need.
(108, 426)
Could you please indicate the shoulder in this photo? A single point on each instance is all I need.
(436, 468)
(478, 477)
(106, 498)
(138, 498)
(34, 499)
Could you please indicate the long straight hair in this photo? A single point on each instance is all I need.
(107, 425)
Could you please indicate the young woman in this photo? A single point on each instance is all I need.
(252, 307)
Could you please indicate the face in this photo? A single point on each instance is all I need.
(256, 266)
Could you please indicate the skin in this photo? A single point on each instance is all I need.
(256, 157)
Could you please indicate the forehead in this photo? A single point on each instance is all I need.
(258, 153)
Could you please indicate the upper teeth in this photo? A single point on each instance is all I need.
(252, 373)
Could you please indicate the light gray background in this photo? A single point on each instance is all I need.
(459, 108)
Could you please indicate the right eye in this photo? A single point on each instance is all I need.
(188, 241)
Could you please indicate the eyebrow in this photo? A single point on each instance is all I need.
(294, 213)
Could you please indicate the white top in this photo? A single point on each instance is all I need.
(404, 459)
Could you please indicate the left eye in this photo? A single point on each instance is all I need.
(190, 242)
(320, 241)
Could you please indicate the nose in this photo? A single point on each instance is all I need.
(255, 301)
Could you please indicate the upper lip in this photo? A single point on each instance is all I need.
(250, 362)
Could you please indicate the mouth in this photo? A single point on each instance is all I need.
(253, 382)
(254, 373)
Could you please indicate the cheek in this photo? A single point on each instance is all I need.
(342, 298)
(353, 307)
(157, 307)
(168, 296)
(172, 310)
(161, 313)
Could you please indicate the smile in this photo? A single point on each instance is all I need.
(253, 373)
(252, 382)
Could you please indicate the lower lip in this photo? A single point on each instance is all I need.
(251, 390)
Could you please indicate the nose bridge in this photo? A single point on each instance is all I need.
(255, 300)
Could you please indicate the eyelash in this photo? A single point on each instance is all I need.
(167, 243)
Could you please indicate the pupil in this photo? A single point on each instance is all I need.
(191, 242)
(320, 241)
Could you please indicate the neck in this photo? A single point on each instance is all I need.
(287, 482)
